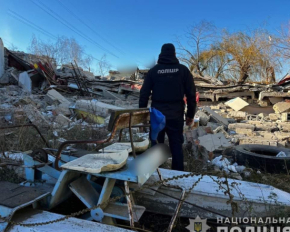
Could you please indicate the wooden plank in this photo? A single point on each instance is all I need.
(137, 118)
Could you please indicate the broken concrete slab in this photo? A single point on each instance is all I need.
(35, 116)
(96, 107)
(284, 126)
(234, 126)
(274, 116)
(213, 142)
(273, 94)
(258, 140)
(62, 120)
(216, 116)
(282, 135)
(267, 135)
(244, 131)
(264, 126)
(111, 95)
(239, 115)
(62, 109)
(237, 103)
(54, 95)
(282, 107)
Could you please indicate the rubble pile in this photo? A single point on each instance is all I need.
(230, 124)
(59, 101)
(34, 91)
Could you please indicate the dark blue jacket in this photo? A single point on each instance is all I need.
(168, 82)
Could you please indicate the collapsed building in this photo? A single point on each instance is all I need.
(232, 124)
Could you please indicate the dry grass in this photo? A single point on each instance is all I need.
(27, 138)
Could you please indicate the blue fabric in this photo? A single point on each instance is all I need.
(158, 121)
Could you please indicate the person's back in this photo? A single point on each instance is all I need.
(169, 81)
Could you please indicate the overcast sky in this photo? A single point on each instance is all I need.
(131, 32)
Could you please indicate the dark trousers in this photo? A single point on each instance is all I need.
(174, 131)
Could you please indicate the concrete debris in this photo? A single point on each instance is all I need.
(221, 129)
(238, 115)
(62, 120)
(282, 107)
(214, 142)
(97, 107)
(233, 126)
(258, 140)
(274, 117)
(216, 116)
(264, 103)
(70, 96)
(244, 131)
(237, 104)
(35, 116)
(54, 95)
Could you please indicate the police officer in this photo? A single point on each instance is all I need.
(168, 82)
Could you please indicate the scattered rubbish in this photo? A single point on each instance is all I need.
(263, 157)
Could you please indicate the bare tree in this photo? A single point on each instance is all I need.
(197, 51)
(63, 51)
(103, 65)
(87, 62)
(13, 48)
(282, 41)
